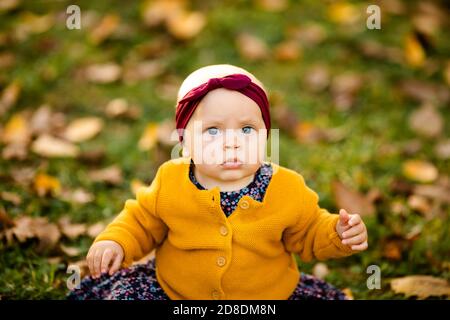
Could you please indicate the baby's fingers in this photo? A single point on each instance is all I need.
(353, 231)
(97, 262)
(354, 219)
(106, 259)
(358, 239)
(116, 264)
(360, 247)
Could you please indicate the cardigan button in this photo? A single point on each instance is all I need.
(244, 204)
(221, 261)
(223, 230)
(215, 295)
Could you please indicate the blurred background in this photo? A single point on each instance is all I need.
(86, 115)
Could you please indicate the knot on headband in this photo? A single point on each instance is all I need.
(237, 82)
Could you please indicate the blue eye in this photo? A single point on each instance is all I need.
(247, 130)
(213, 131)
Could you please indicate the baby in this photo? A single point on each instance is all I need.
(224, 222)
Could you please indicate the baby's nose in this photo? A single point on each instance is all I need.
(232, 139)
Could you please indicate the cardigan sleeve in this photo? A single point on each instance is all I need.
(314, 234)
(137, 228)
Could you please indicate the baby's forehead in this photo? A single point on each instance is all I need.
(202, 75)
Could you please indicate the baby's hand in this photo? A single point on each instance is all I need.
(101, 255)
(352, 230)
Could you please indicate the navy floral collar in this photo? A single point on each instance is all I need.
(255, 189)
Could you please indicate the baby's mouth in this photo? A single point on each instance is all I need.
(231, 164)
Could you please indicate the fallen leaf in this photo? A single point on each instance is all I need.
(420, 203)
(42, 120)
(71, 230)
(79, 196)
(317, 78)
(95, 229)
(51, 147)
(111, 175)
(107, 26)
(9, 96)
(141, 71)
(103, 73)
(344, 89)
(351, 200)
(12, 197)
(287, 51)
(70, 251)
(421, 286)
(343, 13)
(149, 137)
(39, 228)
(413, 51)
(16, 130)
(46, 185)
(185, 25)
(83, 129)
(308, 35)
(251, 47)
(5, 220)
(320, 270)
(7, 5)
(442, 149)
(348, 293)
(158, 12)
(421, 171)
(273, 5)
(426, 121)
(425, 91)
(435, 192)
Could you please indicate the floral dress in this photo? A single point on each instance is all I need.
(139, 282)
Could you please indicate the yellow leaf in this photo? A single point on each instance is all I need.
(343, 13)
(420, 171)
(16, 130)
(414, 53)
(106, 27)
(421, 286)
(50, 147)
(186, 25)
(45, 184)
(149, 137)
(83, 129)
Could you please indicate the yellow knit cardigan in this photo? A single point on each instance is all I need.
(203, 254)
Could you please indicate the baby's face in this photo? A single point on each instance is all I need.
(226, 136)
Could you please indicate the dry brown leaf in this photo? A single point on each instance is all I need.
(41, 121)
(51, 147)
(425, 91)
(157, 12)
(420, 171)
(392, 248)
(143, 70)
(105, 28)
(185, 25)
(351, 200)
(420, 203)
(442, 149)
(375, 50)
(30, 23)
(26, 228)
(79, 196)
(83, 129)
(344, 89)
(272, 5)
(95, 229)
(320, 270)
(421, 286)
(46, 185)
(317, 78)
(7, 5)
(436, 192)
(348, 293)
(11, 197)
(251, 47)
(308, 35)
(111, 175)
(9, 96)
(413, 51)
(149, 137)
(426, 121)
(71, 230)
(287, 51)
(70, 251)
(103, 73)
(5, 220)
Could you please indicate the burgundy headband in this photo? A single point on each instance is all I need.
(238, 82)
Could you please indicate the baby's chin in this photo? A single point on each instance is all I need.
(232, 174)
